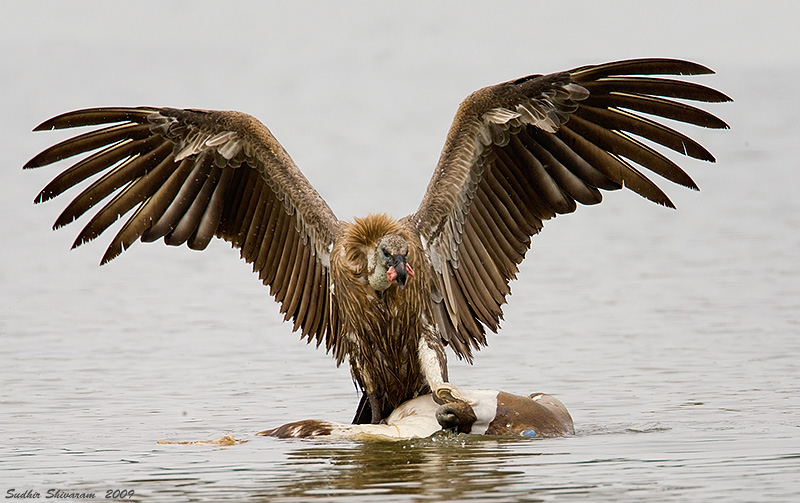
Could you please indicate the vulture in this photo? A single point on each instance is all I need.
(387, 295)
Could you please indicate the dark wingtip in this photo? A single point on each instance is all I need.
(84, 237)
(95, 116)
(56, 122)
(37, 161)
(46, 125)
(692, 68)
(30, 164)
(111, 253)
(657, 196)
(640, 66)
(40, 198)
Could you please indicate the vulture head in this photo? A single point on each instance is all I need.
(388, 264)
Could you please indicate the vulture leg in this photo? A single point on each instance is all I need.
(364, 411)
(368, 411)
(375, 405)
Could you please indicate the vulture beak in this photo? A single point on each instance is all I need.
(399, 270)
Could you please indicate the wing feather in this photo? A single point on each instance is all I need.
(564, 177)
(530, 201)
(294, 280)
(660, 107)
(498, 224)
(119, 175)
(90, 141)
(504, 206)
(150, 210)
(188, 190)
(524, 151)
(89, 167)
(191, 175)
(579, 166)
(279, 286)
(254, 233)
(297, 287)
(213, 214)
(304, 288)
(613, 167)
(507, 257)
(125, 200)
(310, 307)
(643, 86)
(551, 193)
(276, 250)
(625, 121)
(616, 142)
(270, 215)
(187, 209)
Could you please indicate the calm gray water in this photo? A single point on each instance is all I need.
(672, 336)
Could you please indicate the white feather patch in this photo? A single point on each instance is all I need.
(429, 362)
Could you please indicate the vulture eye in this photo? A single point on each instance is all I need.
(384, 253)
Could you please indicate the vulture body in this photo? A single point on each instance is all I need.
(387, 295)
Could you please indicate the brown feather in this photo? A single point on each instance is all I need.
(654, 86)
(117, 177)
(553, 195)
(570, 183)
(653, 105)
(89, 141)
(315, 298)
(527, 201)
(640, 153)
(213, 214)
(252, 216)
(468, 283)
(151, 209)
(483, 221)
(293, 291)
(505, 256)
(613, 167)
(500, 218)
(572, 160)
(90, 166)
(168, 222)
(287, 248)
(268, 227)
(96, 116)
(134, 193)
(236, 204)
(187, 225)
(302, 294)
(276, 248)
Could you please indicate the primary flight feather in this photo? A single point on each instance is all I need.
(387, 295)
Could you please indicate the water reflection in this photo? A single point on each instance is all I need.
(443, 467)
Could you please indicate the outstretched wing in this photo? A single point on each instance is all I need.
(524, 151)
(193, 175)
